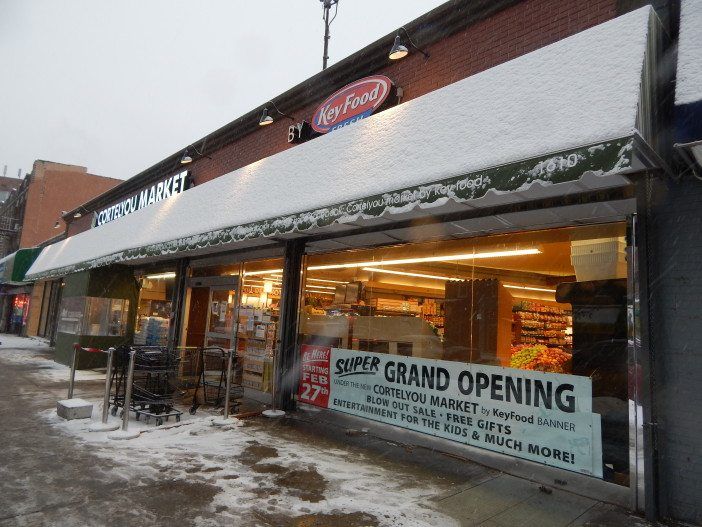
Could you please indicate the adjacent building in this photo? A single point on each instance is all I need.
(31, 216)
(475, 229)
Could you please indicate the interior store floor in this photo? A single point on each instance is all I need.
(58, 479)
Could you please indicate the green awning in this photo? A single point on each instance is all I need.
(14, 266)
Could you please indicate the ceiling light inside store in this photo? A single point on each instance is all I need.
(448, 258)
(529, 288)
(268, 271)
(326, 281)
(160, 276)
(312, 286)
(320, 292)
(403, 273)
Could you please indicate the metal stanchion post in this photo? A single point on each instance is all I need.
(274, 412)
(72, 380)
(104, 426)
(71, 408)
(124, 433)
(225, 418)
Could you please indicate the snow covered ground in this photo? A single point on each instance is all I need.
(258, 472)
(23, 350)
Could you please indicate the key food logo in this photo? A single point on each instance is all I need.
(351, 103)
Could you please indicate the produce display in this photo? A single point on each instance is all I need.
(536, 323)
(539, 357)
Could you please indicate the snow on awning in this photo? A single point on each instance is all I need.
(560, 119)
(688, 86)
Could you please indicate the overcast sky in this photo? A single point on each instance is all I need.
(116, 86)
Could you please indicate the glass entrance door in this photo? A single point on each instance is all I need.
(221, 317)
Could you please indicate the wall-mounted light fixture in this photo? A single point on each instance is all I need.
(399, 50)
(187, 159)
(78, 213)
(267, 119)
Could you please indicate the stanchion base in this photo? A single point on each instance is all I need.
(221, 421)
(273, 413)
(103, 427)
(123, 434)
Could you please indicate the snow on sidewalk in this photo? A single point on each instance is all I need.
(257, 470)
(255, 473)
(33, 352)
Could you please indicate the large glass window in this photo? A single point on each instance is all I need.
(94, 316)
(154, 308)
(550, 301)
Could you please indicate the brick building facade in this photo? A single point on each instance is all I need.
(43, 196)
(31, 216)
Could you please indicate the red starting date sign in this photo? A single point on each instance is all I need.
(314, 375)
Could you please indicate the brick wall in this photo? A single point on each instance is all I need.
(510, 33)
(54, 188)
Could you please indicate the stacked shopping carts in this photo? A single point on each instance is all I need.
(154, 382)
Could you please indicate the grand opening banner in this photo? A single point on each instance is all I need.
(543, 417)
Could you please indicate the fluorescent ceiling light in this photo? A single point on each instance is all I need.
(529, 288)
(312, 286)
(403, 273)
(269, 271)
(160, 276)
(319, 292)
(326, 281)
(447, 258)
(261, 280)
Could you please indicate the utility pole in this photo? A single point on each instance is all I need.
(326, 7)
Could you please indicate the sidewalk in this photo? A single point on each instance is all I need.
(258, 472)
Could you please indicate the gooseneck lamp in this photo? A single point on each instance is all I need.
(187, 159)
(399, 50)
(267, 118)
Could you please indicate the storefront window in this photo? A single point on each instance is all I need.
(154, 309)
(236, 306)
(93, 316)
(258, 329)
(530, 322)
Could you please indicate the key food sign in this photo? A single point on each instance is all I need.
(148, 196)
(351, 103)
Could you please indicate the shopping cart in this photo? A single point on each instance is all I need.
(154, 382)
(212, 379)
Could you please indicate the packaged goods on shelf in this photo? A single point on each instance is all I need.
(392, 305)
(153, 332)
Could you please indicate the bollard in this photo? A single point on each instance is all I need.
(225, 418)
(124, 433)
(104, 426)
(71, 408)
(274, 412)
(72, 380)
